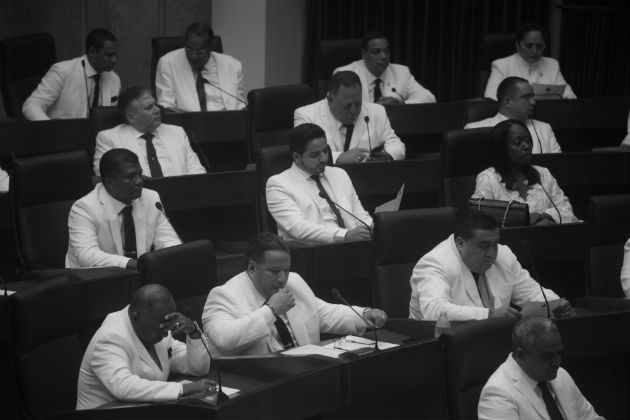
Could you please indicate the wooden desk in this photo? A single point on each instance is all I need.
(39, 137)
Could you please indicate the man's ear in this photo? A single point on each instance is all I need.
(519, 355)
(251, 267)
(133, 314)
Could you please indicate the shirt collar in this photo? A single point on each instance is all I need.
(533, 384)
(301, 172)
(526, 64)
(89, 70)
(137, 133)
(116, 205)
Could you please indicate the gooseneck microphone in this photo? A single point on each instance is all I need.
(552, 203)
(203, 154)
(225, 91)
(87, 91)
(530, 260)
(160, 207)
(396, 92)
(537, 136)
(337, 295)
(221, 396)
(322, 195)
(367, 124)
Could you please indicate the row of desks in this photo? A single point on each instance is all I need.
(579, 125)
(404, 382)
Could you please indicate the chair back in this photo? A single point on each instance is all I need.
(608, 224)
(46, 348)
(104, 118)
(271, 161)
(476, 111)
(271, 114)
(400, 239)
(333, 53)
(165, 44)
(188, 271)
(21, 69)
(493, 46)
(43, 189)
(462, 157)
(473, 351)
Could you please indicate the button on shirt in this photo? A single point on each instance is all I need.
(214, 97)
(118, 206)
(163, 157)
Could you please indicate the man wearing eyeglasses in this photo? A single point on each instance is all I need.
(383, 82)
(528, 62)
(195, 78)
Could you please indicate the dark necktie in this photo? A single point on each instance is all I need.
(201, 90)
(154, 164)
(377, 90)
(283, 332)
(97, 90)
(332, 205)
(349, 130)
(129, 228)
(550, 402)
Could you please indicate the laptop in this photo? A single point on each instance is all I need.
(545, 92)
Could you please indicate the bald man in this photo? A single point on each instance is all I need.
(530, 384)
(133, 352)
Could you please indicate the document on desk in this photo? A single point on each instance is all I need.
(311, 349)
(353, 343)
(539, 308)
(9, 292)
(392, 205)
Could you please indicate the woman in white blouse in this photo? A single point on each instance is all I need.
(512, 177)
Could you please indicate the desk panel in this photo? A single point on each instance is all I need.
(39, 137)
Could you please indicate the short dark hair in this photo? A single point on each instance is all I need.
(127, 96)
(507, 86)
(110, 162)
(344, 78)
(200, 29)
(300, 136)
(529, 330)
(263, 242)
(97, 38)
(470, 220)
(370, 36)
(499, 158)
(146, 297)
(527, 27)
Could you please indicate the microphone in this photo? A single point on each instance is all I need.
(203, 154)
(322, 195)
(337, 295)
(537, 137)
(87, 92)
(221, 396)
(552, 203)
(396, 92)
(530, 260)
(225, 91)
(367, 124)
(160, 207)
